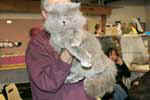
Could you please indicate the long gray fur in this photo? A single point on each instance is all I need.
(65, 23)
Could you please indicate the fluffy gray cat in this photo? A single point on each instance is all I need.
(65, 23)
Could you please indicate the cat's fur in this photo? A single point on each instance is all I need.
(65, 23)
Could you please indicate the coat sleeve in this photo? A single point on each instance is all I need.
(47, 72)
(125, 71)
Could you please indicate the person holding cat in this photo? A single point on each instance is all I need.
(48, 69)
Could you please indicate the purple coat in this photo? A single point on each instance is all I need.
(47, 72)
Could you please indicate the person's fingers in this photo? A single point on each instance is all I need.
(66, 57)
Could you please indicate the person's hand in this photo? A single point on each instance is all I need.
(119, 61)
(136, 83)
(66, 57)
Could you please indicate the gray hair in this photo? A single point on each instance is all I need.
(44, 3)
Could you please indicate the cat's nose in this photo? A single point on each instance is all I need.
(64, 22)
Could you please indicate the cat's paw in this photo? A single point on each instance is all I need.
(76, 44)
(86, 64)
(74, 78)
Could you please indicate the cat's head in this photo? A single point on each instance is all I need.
(62, 17)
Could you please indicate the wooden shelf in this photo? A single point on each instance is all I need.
(21, 6)
(98, 11)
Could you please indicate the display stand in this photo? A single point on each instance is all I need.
(97, 10)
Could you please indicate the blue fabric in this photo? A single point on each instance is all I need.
(120, 93)
(147, 33)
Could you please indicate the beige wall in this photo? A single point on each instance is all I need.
(17, 31)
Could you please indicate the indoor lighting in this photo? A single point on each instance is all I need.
(9, 21)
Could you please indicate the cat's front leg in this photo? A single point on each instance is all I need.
(74, 78)
(87, 62)
(82, 55)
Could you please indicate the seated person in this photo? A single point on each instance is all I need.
(141, 90)
(120, 91)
